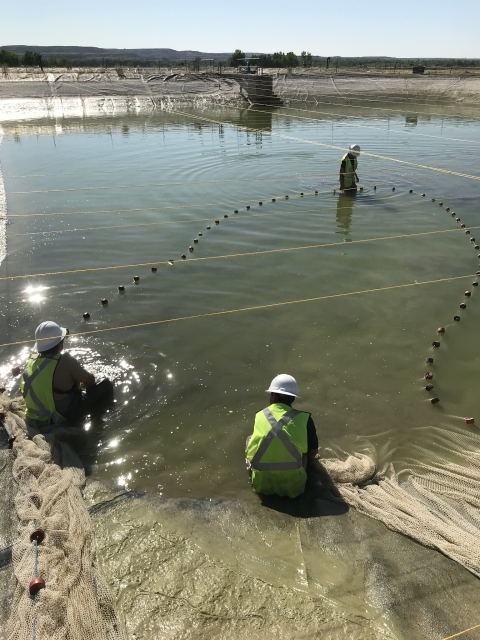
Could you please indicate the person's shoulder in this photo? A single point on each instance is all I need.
(68, 356)
(68, 359)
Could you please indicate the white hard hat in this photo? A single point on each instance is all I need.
(48, 335)
(354, 149)
(284, 384)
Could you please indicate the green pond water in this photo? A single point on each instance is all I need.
(101, 192)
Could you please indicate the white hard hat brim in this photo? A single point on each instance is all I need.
(45, 345)
(283, 393)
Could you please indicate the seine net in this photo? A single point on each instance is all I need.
(75, 603)
(435, 504)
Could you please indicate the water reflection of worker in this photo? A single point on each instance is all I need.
(348, 169)
(50, 384)
(345, 212)
(282, 441)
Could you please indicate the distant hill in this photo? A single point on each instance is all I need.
(96, 53)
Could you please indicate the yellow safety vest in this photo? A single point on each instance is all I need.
(275, 451)
(349, 174)
(36, 386)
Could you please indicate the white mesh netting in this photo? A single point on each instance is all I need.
(75, 603)
(436, 504)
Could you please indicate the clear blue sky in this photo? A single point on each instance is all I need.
(409, 28)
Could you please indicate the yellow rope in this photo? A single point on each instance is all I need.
(364, 126)
(186, 184)
(174, 207)
(169, 184)
(173, 184)
(152, 224)
(361, 126)
(233, 255)
(330, 146)
(402, 111)
(256, 308)
(455, 635)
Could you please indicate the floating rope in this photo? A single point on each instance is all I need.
(186, 184)
(195, 220)
(331, 146)
(456, 635)
(256, 308)
(361, 126)
(231, 255)
(174, 207)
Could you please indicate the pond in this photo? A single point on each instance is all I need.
(344, 293)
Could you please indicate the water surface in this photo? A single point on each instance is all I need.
(137, 190)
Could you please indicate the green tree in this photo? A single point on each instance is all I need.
(291, 60)
(306, 59)
(9, 58)
(63, 62)
(31, 59)
(236, 58)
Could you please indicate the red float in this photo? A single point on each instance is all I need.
(38, 535)
(36, 585)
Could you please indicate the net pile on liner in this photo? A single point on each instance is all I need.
(436, 504)
(75, 603)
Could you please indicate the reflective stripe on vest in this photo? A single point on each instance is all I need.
(277, 431)
(31, 387)
(350, 168)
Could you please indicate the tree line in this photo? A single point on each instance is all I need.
(31, 59)
(275, 60)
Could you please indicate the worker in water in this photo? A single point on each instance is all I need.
(51, 383)
(348, 169)
(282, 441)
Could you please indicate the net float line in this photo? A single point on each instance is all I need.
(230, 255)
(441, 330)
(255, 308)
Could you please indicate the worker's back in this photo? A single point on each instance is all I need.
(276, 451)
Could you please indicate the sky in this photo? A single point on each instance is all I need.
(406, 29)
